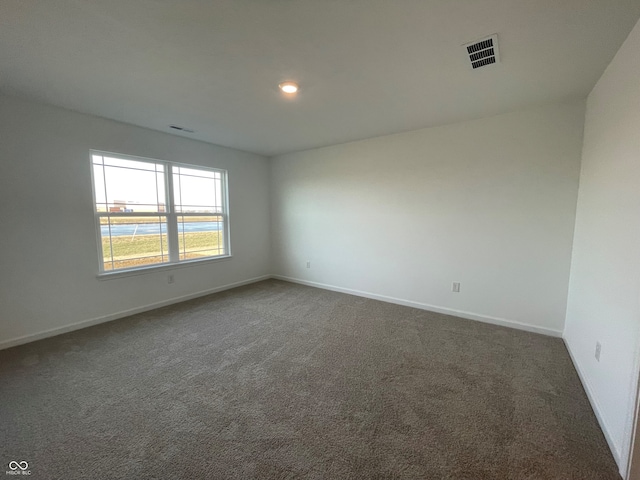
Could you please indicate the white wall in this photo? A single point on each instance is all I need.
(603, 303)
(48, 248)
(489, 203)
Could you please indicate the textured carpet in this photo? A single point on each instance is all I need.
(280, 381)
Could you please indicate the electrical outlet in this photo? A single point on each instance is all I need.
(170, 278)
(598, 349)
(308, 264)
(455, 287)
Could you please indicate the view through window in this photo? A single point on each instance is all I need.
(151, 212)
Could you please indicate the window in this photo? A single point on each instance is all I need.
(151, 213)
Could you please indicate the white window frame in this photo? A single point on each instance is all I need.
(170, 214)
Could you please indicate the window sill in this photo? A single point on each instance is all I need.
(159, 268)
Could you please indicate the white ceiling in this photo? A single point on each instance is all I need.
(366, 67)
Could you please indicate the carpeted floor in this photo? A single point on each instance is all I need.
(281, 381)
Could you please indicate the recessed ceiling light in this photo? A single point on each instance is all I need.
(289, 87)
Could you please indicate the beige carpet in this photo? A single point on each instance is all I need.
(280, 381)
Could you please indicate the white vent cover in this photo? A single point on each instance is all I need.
(182, 129)
(483, 52)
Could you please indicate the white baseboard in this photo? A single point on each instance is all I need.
(432, 308)
(615, 450)
(125, 313)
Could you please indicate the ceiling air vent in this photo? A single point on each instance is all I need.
(182, 129)
(483, 52)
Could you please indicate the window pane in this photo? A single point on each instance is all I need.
(132, 190)
(129, 242)
(196, 172)
(200, 236)
(98, 188)
(122, 185)
(161, 192)
(198, 194)
(121, 162)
